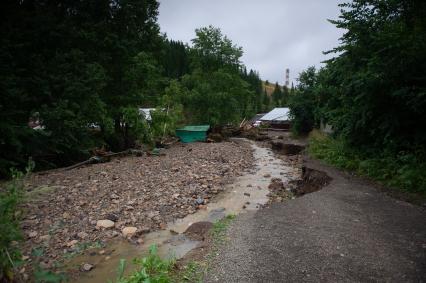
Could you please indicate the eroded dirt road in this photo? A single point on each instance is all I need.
(346, 232)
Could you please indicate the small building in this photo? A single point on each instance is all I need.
(278, 118)
(192, 133)
(146, 113)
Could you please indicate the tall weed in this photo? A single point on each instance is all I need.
(402, 171)
(10, 234)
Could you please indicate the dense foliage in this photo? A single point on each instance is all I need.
(10, 232)
(374, 92)
(81, 69)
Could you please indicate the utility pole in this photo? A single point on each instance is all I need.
(287, 77)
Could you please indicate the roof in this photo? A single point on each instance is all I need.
(195, 128)
(257, 117)
(277, 114)
(146, 112)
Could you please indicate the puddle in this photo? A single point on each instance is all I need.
(248, 192)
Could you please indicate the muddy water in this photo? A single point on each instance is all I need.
(248, 192)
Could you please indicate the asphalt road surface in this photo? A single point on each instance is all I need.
(346, 232)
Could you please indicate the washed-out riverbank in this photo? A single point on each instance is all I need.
(149, 200)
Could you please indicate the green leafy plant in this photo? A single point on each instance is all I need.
(42, 275)
(10, 232)
(150, 269)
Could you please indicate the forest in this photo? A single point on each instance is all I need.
(372, 93)
(80, 70)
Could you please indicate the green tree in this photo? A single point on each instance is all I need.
(214, 50)
(303, 103)
(277, 95)
(376, 86)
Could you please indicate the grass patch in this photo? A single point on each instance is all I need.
(218, 231)
(150, 269)
(192, 272)
(404, 171)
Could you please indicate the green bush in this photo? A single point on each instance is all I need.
(10, 234)
(403, 170)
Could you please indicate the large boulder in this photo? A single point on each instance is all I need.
(105, 223)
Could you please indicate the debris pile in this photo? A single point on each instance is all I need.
(126, 197)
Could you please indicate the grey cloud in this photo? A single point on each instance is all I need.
(275, 34)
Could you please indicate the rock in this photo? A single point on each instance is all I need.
(112, 216)
(87, 267)
(45, 238)
(105, 223)
(276, 184)
(247, 194)
(129, 231)
(198, 231)
(147, 193)
(249, 185)
(145, 230)
(72, 243)
(82, 235)
(33, 234)
(216, 137)
(267, 176)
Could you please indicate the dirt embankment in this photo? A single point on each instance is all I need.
(64, 207)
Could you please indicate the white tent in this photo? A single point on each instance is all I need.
(277, 114)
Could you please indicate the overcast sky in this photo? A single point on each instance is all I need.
(274, 34)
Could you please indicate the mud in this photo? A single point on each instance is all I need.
(312, 181)
(285, 148)
(198, 231)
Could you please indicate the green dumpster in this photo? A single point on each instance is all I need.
(193, 133)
